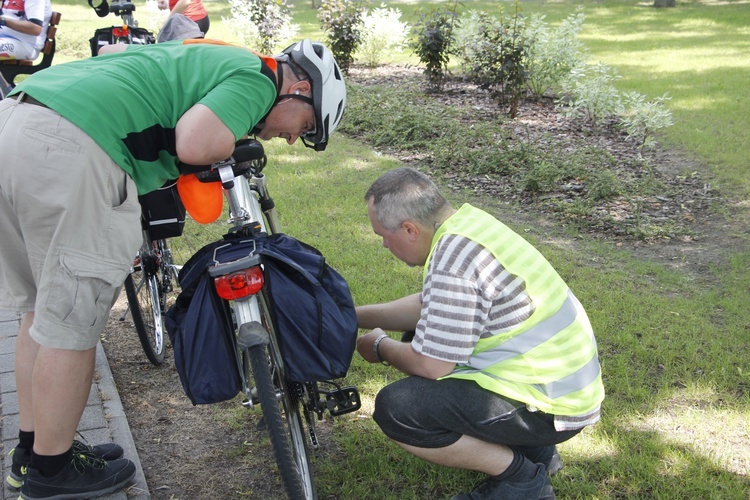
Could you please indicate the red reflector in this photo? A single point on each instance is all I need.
(240, 284)
(120, 31)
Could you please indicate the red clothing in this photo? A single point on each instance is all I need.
(195, 9)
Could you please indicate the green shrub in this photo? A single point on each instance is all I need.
(394, 118)
(341, 21)
(486, 153)
(432, 42)
(604, 184)
(551, 55)
(467, 36)
(641, 118)
(590, 92)
(496, 63)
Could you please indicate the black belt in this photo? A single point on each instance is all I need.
(24, 97)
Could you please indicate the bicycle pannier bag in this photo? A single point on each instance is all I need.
(313, 310)
(311, 305)
(162, 213)
(200, 328)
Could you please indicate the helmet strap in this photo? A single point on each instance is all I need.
(301, 97)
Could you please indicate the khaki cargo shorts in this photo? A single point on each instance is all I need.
(70, 226)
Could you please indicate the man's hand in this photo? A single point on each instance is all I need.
(364, 345)
(401, 314)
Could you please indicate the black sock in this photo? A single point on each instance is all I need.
(537, 455)
(49, 465)
(520, 470)
(25, 440)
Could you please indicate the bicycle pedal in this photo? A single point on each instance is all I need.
(342, 400)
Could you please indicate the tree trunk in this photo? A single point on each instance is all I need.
(664, 3)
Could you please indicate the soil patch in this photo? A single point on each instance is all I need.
(192, 452)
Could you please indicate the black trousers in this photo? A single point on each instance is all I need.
(436, 413)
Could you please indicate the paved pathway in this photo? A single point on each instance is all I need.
(103, 419)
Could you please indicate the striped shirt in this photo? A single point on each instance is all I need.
(467, 295)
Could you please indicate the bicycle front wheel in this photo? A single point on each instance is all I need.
(279, 400)
(143, 292)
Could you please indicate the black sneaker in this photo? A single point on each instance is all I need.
(555, 464)
(84, 477)
(22, 459)
(538, 488)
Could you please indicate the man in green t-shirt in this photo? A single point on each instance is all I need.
(79, 142)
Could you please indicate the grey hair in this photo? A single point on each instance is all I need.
(406, 194)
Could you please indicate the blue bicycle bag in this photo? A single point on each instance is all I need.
(199, 325)
(310, 302)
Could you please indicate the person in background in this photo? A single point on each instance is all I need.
(503, 362)
(23, 28)
(178, 27)
(192, 9)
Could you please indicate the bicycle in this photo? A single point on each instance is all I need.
(289, 408)
(128, 32)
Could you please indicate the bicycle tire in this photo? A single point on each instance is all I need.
(287, 432)
(143, 301)
(163, 286)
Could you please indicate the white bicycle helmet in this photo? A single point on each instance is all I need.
(328, 89)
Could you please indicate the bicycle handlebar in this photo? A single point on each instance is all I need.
(119, 9)
(248, 154)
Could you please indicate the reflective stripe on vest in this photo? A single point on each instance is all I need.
(531, 338)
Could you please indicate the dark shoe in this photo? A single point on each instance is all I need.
(22, 459)
(84, 477)
(555, 464)
(538, 488)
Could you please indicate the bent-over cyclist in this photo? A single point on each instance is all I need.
(79, 142)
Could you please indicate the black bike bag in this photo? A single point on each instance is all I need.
(162, 213)
(311, 306)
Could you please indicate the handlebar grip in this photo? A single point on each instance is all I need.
(186, 168)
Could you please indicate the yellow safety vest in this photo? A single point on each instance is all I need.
(550, 360)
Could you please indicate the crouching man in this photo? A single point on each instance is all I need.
(503, 364)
